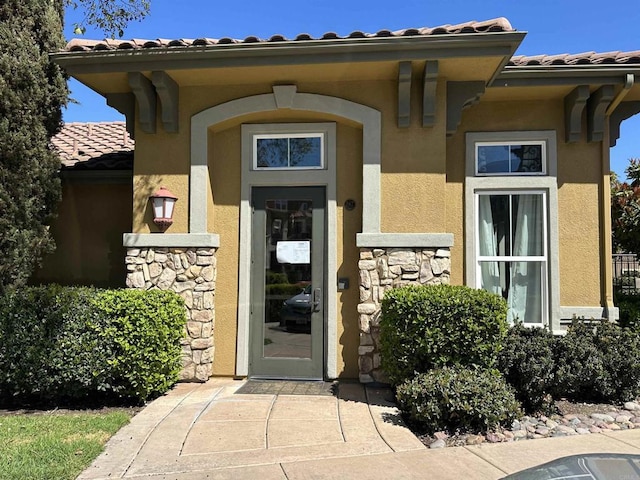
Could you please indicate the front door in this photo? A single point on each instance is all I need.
(287, 283)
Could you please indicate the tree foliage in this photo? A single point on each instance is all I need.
(110, 16)
(32, 92)
(625, 209)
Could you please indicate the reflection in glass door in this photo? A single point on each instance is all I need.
(287, 294)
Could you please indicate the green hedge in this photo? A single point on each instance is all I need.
(453, 398)
(596, 361)
(528, 363)
(629, 308)
(69, 344)
(426, 327)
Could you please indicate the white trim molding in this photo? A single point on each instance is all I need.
(418, 240)
(176, 240)
(513, 184)
(588, 313)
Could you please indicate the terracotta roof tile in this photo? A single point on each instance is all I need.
(99, 146)
(585, 58)
(488, 26)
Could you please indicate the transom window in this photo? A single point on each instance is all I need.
(288, 151)
(510, 158)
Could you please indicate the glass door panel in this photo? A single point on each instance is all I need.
(287, 292)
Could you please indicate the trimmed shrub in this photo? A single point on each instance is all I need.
(48, 346)
(629, 307)
(598, 361)
(143, 331)
(458, 398)
(527, 362)
(66, 344)
(425, 327)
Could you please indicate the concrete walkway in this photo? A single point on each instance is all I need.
(200, 431)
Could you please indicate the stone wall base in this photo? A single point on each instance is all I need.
(191, 273)
(380, 270)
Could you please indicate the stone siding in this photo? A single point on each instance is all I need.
(191, 273)
(380, 270)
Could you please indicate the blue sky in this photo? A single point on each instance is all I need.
(553, 26)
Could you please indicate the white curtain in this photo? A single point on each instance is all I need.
(525, 292)
(488, 247)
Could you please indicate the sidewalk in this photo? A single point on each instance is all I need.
(207, 431)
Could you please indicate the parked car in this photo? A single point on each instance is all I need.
(592, 466)
(296, 311)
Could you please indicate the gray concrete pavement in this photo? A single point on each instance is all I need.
(200, 431)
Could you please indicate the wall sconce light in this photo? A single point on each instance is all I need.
(163, 202)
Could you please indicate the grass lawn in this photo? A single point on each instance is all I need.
(54, 446)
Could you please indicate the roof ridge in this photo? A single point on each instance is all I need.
(493, 25)
(584, 58)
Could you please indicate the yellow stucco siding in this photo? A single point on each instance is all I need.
(349, 223)
(224, 219)
(579, 174)
(88, 233)
(422, 190)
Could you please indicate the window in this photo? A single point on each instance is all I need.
(288, 151)
(524, 158)
(512, 251)
(511, 221)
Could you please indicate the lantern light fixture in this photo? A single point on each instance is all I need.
(163, 202)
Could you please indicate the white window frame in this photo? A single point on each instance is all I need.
(509, 144)
(519, 258)
(288, 136)
(512, 183)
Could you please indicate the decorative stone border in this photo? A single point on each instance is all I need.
(191, 273)
(380, 270)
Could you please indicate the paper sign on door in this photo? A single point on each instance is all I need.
(298, 252)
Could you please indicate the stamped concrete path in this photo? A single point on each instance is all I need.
(200, 431)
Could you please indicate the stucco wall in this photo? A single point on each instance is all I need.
(412, 192)
(579, 170)
(88, 234)
(422, 189)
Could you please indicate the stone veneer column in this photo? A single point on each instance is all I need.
(191, 273)
(380, 270)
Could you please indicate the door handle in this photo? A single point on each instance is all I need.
(317, 299)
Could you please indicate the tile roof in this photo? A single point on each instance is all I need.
(586, 58)
(493, 25)
(95, 146)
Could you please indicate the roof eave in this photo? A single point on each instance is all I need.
(292, 53)
(550, 75)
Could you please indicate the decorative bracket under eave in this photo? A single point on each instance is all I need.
(623, 111)
(146, 97)
(125, 103)
(430, 82)
(574, 104)
(461, 95)
(167, 90)
(404, 94)
(597, 106)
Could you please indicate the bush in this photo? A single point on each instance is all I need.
(143, 331)
(66, 344)
(425, 327)
(458, 398)
(629, 307)
(527, 362)
(48, 348)
(598, 362)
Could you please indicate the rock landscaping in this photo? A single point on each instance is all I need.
(585, 419)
